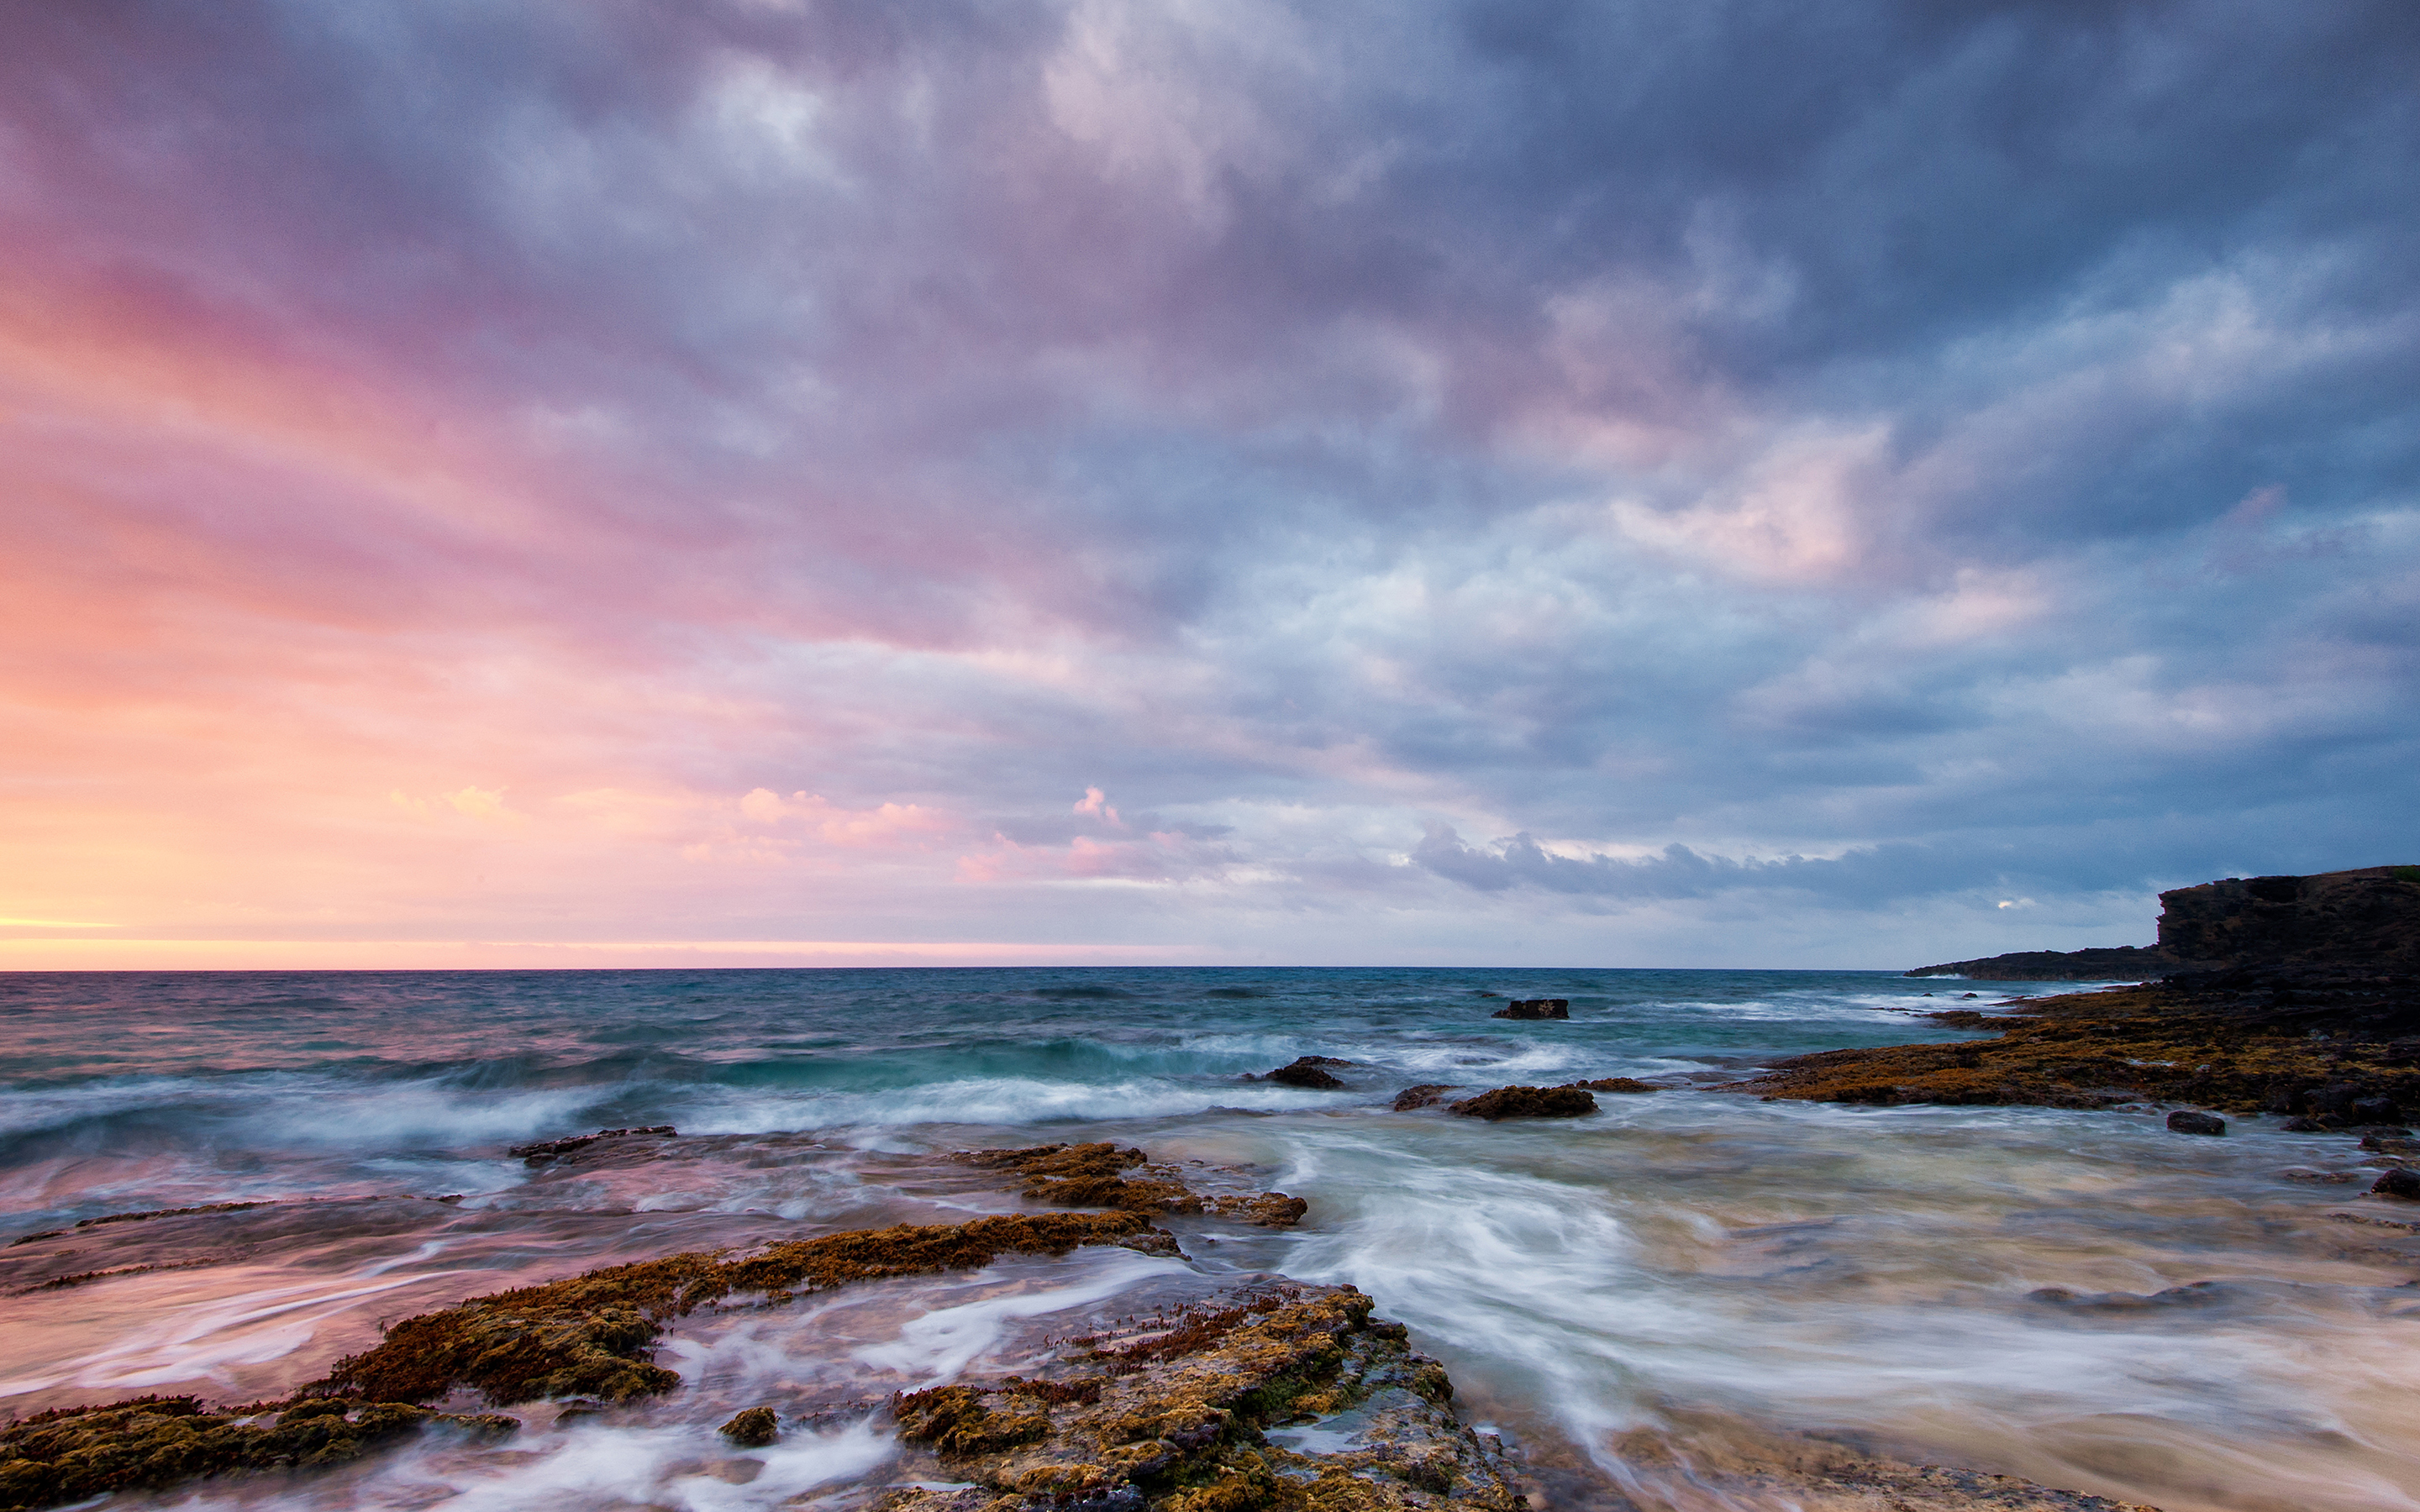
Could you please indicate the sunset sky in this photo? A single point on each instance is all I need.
(1513, 483)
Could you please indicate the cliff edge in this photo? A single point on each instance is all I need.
(2368, 916)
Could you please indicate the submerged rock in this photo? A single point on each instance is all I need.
(1526, 1103)
(153, 1441)
(2184, 1120)
(1535, 1007)
(1625, 1085)
(549, 1150)
(1200, 1416)
(1427, 1094)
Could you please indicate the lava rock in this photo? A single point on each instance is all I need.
(1308, 1071)
(1526, 1103)
(753, 1429)
(2399, 1183)
(1425, 1095)
(2184, 1120)
(1535, 1007)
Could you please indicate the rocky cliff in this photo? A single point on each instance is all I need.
(2367, 917)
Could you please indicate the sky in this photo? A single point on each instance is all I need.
(1519, 483)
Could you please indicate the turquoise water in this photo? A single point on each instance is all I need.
(1661, 1283)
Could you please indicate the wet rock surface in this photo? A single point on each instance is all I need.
(2285, 1040)
(1102, 1175)
(549, 1150)
(1427, 1094)
(1309, 1071)
(1526, 1103)
(2184, 1120)
(153, 1441)
(1275, 1396)
(752, 1429)
(1534, 1007)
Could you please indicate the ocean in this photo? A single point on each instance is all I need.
(1679, 1282)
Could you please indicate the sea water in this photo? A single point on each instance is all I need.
(1652, 1302)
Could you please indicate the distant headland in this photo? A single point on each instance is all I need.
(2368, 916)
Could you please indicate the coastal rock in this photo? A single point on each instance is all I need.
(1200, 1413)
(590, 1334)
(1308, 1071)
(549, 1150)
(152, 1441)
(2117, 964)
(753, 1429)
(1625, 1085)
(1535, 1007)
(2398, 1183)
(2367, 916)
(1427, 1094)
(1097, 1176)
(2186, 1122)
(1526, 1103)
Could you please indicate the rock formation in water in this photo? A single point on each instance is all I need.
(2367, 917)
(1308, 1071)
(1104, 1176)
(2286, 1040)
(1186, 1415)
(1526, 1103)
(1535, 1007)
(154, 1442)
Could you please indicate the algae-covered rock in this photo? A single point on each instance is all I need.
(149, 1441)
(752, 1429)
(1195, 1414)
(588, 1335)
(1427, 1094)
(1102, 1175)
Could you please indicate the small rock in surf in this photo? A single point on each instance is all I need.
(2184, 1120)
(2399, 1183)
(1425, 1095)
(753, 1429)
(1535, 1007)
(1308, 1071)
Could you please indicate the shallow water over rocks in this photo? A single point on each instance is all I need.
(1656, 1303)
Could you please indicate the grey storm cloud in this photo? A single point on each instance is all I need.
(1972, 442)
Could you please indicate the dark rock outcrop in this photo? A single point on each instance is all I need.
(1628, 1086)
(1535, 1007)
(2124, 963)
(1526, 1103)
(1427, 1094)
(2290, 1040)
(1308, 1071)
(2399, 1183)
(2368, 916)
(2185, 1120)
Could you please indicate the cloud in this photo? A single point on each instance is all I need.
(1853, 470)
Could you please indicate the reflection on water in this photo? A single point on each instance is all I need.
(1657, 1302)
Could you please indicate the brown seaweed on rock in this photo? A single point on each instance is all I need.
(2284, 1040)
(1096, 1176)
(79, 1452)
(589, 1335)
(1176, 1420)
